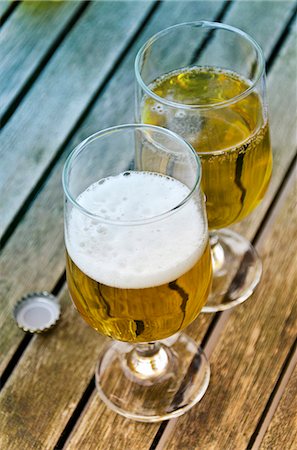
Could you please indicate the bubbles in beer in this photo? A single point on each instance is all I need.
(232, 138)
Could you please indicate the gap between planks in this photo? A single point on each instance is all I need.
(20, 95)
(57, 290)
(75, 415)
(275, 398)
(6, 12)
(280, 42)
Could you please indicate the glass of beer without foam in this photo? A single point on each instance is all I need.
(139, 265)
(206, 82)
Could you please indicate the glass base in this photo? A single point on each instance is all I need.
(237, 270)
(156, 385)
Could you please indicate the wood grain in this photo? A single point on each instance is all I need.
(282, 431)
(39, 397)
(242, 374)
(107, 430)
(25, 39)
(53, 106)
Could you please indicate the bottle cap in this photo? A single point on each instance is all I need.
(37, 312)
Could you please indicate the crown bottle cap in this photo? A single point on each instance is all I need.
(37, 312)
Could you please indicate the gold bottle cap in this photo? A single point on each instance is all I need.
(37, 312)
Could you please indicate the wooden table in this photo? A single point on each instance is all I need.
(66, 72)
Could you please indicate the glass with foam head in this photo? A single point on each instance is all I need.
(206, 82)
(138, 265)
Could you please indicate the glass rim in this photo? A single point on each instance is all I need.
(79, 148)
(200, 24)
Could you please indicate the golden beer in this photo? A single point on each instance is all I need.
(141, 315)
(232, 139)
(139, 282)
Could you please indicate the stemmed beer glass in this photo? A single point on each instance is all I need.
(206, 82)
(139, 265)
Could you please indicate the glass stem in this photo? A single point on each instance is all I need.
(147, 361)
(217, 252)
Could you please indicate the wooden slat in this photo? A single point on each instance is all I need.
(25, 39)
(243, 375)
(115, 431)
(52, 107)
(25, 421)
(282, 431)
(39, 242)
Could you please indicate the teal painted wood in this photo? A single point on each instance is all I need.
(4, 6)
(255, 17)
(25, 38)
(51, 109)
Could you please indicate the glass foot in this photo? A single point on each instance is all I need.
(152, 385)
(237, 270)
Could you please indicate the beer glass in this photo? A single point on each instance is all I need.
(206, 82)
(138, 265)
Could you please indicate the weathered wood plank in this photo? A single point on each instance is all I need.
(243, 375)
(52, 107)
(25, 39)
(115, 431)
(25, 422)
(282, 431)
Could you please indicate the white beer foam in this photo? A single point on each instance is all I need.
(136, 256)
